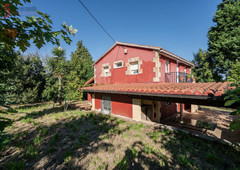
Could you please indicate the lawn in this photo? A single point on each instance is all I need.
(44, 137)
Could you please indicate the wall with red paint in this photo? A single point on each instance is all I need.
(172, 68)
(89, 97)
(98, 97)
(120, 104)
(167, 111)
(118, 75)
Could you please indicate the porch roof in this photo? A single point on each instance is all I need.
(196, 93)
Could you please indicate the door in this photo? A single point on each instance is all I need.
(106, 104)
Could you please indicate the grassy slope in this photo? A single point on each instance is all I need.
(49, 138)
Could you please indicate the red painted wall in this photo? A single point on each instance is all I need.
(89, 97)
(118, 75)
(121, 104)
(98, 97)
(167, 111)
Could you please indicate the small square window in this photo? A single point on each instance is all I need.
(134, 67)
(118, 64)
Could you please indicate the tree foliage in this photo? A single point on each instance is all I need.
(234, 72)
(18, 32)
(233, 98)
(25, 83)
(202, 70)
(224, 37)
(81, 70)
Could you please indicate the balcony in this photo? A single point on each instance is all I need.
(178, 77)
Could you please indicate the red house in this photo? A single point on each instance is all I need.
(142, 82)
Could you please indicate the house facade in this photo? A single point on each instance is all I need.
(125, 66)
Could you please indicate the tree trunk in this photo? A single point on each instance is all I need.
(59, 89)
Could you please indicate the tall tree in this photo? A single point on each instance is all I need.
(81, 70)
(202, 70)
(224, 37)
(58, 67)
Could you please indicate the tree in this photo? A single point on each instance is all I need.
(58, 67)
(234, 72)
(224, 37)
(80, 71)
(233, 98)
(26, 82)
(202, 70)
(16, 32)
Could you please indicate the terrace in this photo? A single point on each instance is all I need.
(178, 77)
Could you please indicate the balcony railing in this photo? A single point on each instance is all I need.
(178, 77)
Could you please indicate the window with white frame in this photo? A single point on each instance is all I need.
(167, 67)
(134, 66)
(106, 71)
(118, 64)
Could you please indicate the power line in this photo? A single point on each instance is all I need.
(97, 21)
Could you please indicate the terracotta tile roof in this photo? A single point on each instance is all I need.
(183, 89)
(90, 81)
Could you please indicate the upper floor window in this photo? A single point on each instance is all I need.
(134, 67)
(185, 69)
(167, 67)
(106, 71)
(118, 64)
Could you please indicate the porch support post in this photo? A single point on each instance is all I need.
(136, 109)
(181, 112)
(93, 101)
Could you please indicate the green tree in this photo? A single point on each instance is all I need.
(58, 67)
(233, 98)
(81, 70)
(202, 70)
(224, 37)
(16, 33)
(234, 72)
(25, 83)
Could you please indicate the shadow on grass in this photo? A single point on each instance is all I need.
(137, 157)
(191, 152)
(57, 145)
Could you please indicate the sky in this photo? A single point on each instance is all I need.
(179, 26)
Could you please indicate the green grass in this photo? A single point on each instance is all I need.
(31, 151)
(213, 158)
(37, 140)
(183, 160)
(72, 138)
(15, 165)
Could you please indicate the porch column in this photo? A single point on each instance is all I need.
(93, 101)
(136, 109)
(181, 112)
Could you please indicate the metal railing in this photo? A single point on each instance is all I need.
(178, 77)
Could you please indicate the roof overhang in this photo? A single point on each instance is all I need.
(211, 94)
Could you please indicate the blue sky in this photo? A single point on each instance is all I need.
(178, 26)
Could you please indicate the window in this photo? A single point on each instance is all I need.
(118, 64)
(134, 67)
(106, 71)
(166, 66)
(185, 70)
